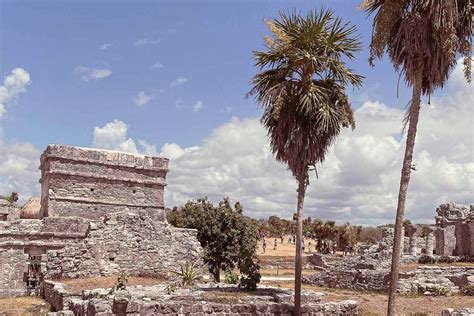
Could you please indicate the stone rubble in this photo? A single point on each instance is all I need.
(221, 299)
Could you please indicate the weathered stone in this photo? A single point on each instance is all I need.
(101, 213)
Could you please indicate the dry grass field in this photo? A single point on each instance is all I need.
(23, 306)
(369, 303)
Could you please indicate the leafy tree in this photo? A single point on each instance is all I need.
(301, 87)
(422, 40)
(229, 239)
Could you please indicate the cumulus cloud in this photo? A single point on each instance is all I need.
(359, 180)
(178, 82)
(141, 99)
(90, 73)
(13, 85)
(19, 172)
(105, 46)
(147, 41)
(113, 136)
(198, 106)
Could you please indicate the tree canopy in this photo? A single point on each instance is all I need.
(229, 238)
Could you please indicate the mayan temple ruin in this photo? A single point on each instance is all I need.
(101, 212)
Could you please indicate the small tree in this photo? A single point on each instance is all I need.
(228, 237)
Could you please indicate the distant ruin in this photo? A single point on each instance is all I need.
(102, 212)
(455, 230)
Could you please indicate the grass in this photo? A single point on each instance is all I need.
(28, 306)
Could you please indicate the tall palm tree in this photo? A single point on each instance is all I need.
(301, 87)
(423, 39)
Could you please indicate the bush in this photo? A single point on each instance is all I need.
(250, 274)
(446, 259)
(466, 258)
(468, 290)
(120, 284)
(231, 277)
(188, 274)
(426, 260)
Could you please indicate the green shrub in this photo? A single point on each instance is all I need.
(446, 259)
(231, 277)
(426, 260)
(170, 288)
(187, 274)
(468, 290)
(466, 258)
(250, 274)
(120, 284)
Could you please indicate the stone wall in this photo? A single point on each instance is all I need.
(12, 266)
(90, 183)
(125, 242)
(101, 212)
(197, 300)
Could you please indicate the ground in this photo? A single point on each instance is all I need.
(369, 303)
(23, 306)
(277, 270)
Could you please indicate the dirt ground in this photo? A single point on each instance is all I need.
(369, 303)
(77, 285)
(23, 306)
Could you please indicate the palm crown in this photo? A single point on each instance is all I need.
(423, 35)
(301, 86)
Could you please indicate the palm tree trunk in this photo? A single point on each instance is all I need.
(402, 195)
(299, 233)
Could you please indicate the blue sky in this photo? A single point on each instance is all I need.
(208, 42)
(169, 78)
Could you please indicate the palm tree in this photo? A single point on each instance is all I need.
(422, 39)
(301, 88)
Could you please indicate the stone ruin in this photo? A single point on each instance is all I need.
(453, 235)
(101, 212)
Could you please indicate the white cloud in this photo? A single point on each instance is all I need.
(89, 73)
(141, 99)
(198, 106)
(359, 180)
(157, 65)
(105, 46)
(147, 41)
(180, 81)
(13, 84)
(19, 172)
(113, 136)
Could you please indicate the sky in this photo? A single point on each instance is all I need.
(170, 78)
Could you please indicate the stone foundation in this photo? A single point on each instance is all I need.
(203, 299)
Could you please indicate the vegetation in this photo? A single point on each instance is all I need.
(426, 260)
(228, 237)
(12, 198)
(231, 277)
(301, 87)
(120, 284)
(187, 274)
(424, 59)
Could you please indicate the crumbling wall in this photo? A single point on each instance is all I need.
(123, 242)
(90, 183)
(12, 266)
